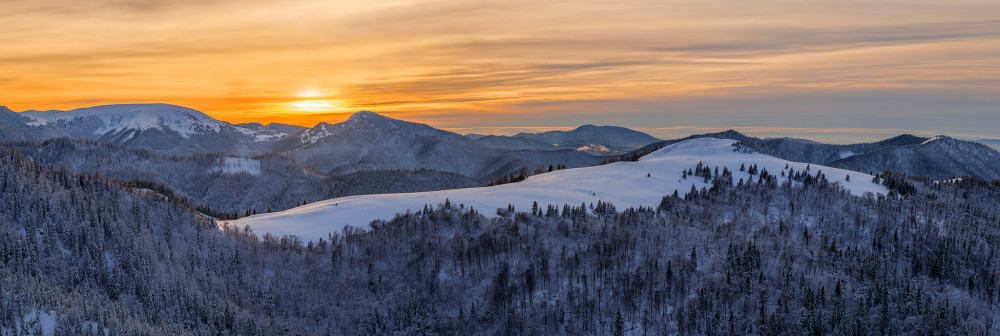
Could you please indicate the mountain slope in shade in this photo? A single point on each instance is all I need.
(163, 128)
(17, 127)
(513, 143)
(940, 157)
(272, 131)
(226, 183)
(625, 184)
(814, 152)
(277, 127)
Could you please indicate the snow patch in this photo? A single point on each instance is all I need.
(625, 184)
(931, 140)
(594, 148)
(245, 131)
(232, 165)
(109, 260)
(43, 322)
(846, 154)
(262, 137)
(313, 135)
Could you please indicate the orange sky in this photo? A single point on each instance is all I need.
(511, 63)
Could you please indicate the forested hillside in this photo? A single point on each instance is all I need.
(226, 184)
(762, 258)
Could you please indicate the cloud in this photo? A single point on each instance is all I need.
(552, 63)
(771, 40)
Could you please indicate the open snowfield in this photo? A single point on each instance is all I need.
(625, 184)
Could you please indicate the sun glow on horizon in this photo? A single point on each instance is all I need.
(315, 105)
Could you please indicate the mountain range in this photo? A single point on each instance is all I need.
(365, 141)
(235, 167)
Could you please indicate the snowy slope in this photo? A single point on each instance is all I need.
(624, 184)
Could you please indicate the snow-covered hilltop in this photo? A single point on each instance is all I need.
(624, 184)
(101, 120)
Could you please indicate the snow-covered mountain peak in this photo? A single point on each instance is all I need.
(362, 120)
(125, 117)
(371, 119)
(365, 115)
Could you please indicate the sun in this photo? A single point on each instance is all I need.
(314, 105)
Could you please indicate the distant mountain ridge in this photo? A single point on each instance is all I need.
(276, 127)
(370, 141)
(228, 183)
(591, 134)
(596, 140)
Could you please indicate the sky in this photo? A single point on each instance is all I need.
(839, 71)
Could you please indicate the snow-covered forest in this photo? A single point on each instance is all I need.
(92, 254)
